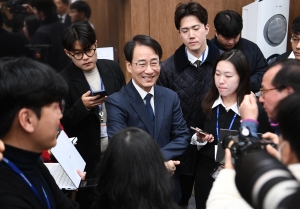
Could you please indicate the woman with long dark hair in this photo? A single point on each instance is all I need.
(220, 109)
(133, 174)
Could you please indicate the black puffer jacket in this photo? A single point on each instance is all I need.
(257, 61)
(178, 74)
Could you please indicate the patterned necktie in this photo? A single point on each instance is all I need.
(198, 63)
(149, 107)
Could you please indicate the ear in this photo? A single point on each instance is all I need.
(290, 90)
(96, 44)
(206, 29)
(67, 53)
(292, 157)
(27, 119)
(128, 66)
(82, 15)
(216, 32)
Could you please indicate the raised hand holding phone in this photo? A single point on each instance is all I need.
(202, 136)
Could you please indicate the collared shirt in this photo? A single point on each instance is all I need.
(233, 107)
(143, 93)
(292, 55)
(219, 101)
(62, 17)
(193, 59)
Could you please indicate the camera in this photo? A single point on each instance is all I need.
(261, 179)
(15, 6)
(243, 143)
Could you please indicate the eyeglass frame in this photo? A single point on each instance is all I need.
(83, 52)
(261, 90)
(147, 63)
(293, 41)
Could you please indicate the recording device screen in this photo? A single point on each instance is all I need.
(88, 183)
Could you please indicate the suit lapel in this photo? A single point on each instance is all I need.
(159, 105)
(139, 107)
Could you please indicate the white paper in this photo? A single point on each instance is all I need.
(105, 53)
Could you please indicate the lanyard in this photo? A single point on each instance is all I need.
(217, 125)
(17, 171)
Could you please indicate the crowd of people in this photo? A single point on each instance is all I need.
(135, 139)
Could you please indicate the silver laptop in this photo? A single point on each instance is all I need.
(64, 172)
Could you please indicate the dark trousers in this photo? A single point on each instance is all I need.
(203, 185)
(186, 186)
(176, 191)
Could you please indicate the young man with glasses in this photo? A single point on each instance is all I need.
(85, 114)
(295, 42)
(142, 104)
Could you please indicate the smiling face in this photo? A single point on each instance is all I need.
(86, 63)
(193, 34)
(147, 75)
(226, 79)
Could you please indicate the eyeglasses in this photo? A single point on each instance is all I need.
(264, 91)
(295, 40)
(142, 65)
(79, 55)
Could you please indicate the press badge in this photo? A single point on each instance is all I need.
(103, 128)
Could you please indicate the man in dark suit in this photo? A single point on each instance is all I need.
(61, 10)
(160, 115)
(85, 114)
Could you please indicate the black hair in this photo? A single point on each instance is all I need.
(288, 116)
(46, 6)
(82, 6)
(141, 40)
(296, 26)
(133, 174)
(288, 76)
(25, 83)
(228, 23)
(81, 32)
(32, 24)
(191, 8)
(240, 62)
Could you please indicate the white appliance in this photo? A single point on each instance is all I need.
(265, 22)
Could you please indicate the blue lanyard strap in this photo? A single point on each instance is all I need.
(217, 125)
(17, 171)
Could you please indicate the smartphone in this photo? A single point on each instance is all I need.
(199, 130)
(88, 183)
(101, 93)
